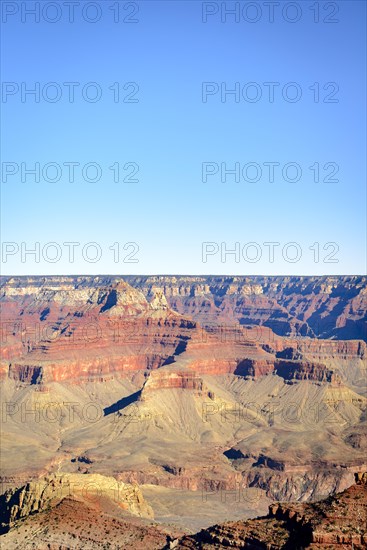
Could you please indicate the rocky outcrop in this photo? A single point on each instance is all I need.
(158, 301)
(343, 349)
(307, 306)
(29, 374)
(290, 482)
(205, 483)
(58, 332)
(75, 525)
(264, 476)
(360, 478)
(67, 330)
(60, 328)
(174, 394)
(304, 370)
(254, 367)
(323, 307)
(337, 522)
(36, 496)
(290, 370)
(164, 379)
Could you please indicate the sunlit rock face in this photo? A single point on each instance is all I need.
(36, 496)
(334, 523)
(325, 307)
(189, 386)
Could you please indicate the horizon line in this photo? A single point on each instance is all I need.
(180, 275)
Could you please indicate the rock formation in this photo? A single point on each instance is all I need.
(190, 386)
(43, 493)
(307, 306)
(337, 522)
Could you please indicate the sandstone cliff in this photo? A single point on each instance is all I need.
(38, 495)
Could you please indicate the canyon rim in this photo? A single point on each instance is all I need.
(150, 409)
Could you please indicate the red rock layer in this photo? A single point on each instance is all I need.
(337, 522)
(66, 329)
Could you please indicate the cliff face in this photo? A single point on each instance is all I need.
(303, 370)
(337, 522)
(324, 307)
(29, 374)
(169, 380)
(65, 328)
(63, 331)
(287, 369)
(36, 496)
(191, 381)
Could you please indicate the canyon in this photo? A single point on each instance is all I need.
(211, 397)
(337, 522)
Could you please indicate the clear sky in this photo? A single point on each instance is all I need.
(174, 126)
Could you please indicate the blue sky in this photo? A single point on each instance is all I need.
(170, 212)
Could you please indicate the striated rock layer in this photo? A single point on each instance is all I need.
(323, 307)
(197, 384)
(337, 522)
(328, 306)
